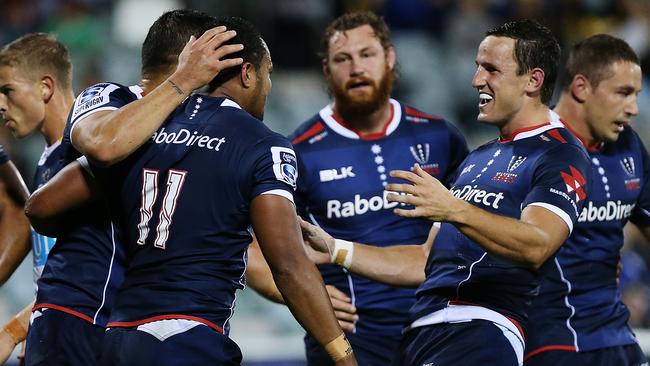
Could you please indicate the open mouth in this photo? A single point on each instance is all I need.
(620, 125)
(484, 99)
(353, 85)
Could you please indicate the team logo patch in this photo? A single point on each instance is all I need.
(628, 166)
(515, 162)
(421, 153)
(92, 98)
(285, 165)
(467, 169)
(575, 183)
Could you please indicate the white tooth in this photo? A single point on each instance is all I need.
(485, 96)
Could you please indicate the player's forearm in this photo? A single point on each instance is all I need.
(15, 239)
(400, 265)
(112, 136)
(259, 275)
(503, 236)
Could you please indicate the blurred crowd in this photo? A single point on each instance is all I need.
(435, 40)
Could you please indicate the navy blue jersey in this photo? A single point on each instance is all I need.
(341, 189)
(579, 307)
(85, 268)
(3, 155)
(544, 166)
(183, 202)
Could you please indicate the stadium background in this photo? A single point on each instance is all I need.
(435, 40)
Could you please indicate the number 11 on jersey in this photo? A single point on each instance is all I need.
(175, 180)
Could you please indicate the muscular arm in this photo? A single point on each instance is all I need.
(107, 137)
(530, 241)
(70, 188)
(15, 240)
(278, 232)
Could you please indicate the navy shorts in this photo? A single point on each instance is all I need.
(199, 345)
(473, 343)
(369, 350)
(628, 355)
(58, 338)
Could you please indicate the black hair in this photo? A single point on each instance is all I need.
(169, 34)
(535, 47)
(253, 52)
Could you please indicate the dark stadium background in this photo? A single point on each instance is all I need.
(435, 41)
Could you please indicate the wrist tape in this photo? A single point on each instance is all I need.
(342, 253)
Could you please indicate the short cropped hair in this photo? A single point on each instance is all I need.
(36, 53)
(535, 47)
(254, 49)
(593, 56)
(354, 20)
(169, 34)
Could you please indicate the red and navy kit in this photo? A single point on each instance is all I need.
(183, 203)
(543, 166)
(341, 189)
(579, 307)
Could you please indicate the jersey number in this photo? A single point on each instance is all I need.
(175, 179)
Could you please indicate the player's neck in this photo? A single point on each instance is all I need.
(370, 123)
(573, 114)
(149, 83)
(56, 115)
(531, 114)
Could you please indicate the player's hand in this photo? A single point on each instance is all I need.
(318, 243)
(431, 199)
(200, 61)
(6, 346)
(345, 312)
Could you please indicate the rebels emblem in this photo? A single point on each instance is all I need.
(421, 153)
(628, 166)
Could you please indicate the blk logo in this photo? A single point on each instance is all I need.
(575, 183)
(328, 175)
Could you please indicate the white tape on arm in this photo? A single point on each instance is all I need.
(342, 253)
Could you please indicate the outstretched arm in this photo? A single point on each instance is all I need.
(107, 137)
(14, 332)
(277, 230)
(399, 265)
(260, 278)
(531, 240)
(15, 239)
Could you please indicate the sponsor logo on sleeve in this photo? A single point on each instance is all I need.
(575, 183)
(285, 165)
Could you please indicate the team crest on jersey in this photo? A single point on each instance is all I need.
(92, 98)
(467, 169)
(628, 166)
(421, 153)
(515, 162)
(285, 165)
(575, 183)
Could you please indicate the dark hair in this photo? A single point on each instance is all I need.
(592, 57)
(353, 20)
(39, 53)
(535, 47)
(253, 52)
(169, 34)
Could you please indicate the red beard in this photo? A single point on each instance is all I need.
(353, 106)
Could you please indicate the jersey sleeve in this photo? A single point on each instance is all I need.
(99, 97)
(274, 168)
(560, 182)
(458, 151)
(3, 155)
(641, 214)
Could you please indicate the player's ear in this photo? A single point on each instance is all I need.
(580, 88)
(248, 75)
(535, 80)
(391, 58)
(47, 85)
(326, 68)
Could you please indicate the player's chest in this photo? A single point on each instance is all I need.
(616, 177)
(496, 179)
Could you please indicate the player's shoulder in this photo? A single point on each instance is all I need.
(104, 95)
(308, 132)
